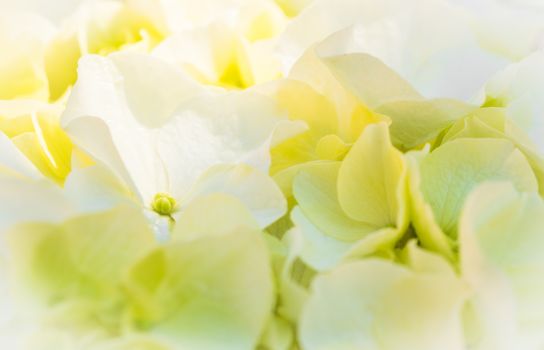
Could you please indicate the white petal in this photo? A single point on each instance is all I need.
(429, 43)
(520, 88)
(501, 240)
(375, 304)
(236, 127)
(110, 113)
(155, 133)
(256, 190)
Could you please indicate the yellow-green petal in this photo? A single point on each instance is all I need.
(450, 172)
(371, 179)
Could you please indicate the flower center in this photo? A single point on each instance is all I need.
(163, 204)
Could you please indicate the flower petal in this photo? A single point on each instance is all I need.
(501, 237)
(371, 180)
(375, 304)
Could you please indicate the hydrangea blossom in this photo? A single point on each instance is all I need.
(271, 174)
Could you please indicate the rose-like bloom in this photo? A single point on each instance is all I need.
(165, 136)
(102, 280)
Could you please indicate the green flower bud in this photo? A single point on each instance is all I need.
(163, 204)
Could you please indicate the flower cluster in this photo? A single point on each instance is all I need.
(272, 174)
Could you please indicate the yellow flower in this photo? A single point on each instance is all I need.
(235, 49)
(34, 128)
(23, 40)
(99, 27)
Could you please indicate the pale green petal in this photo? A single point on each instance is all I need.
(451, 171)
(319, 250)
(423, 261)
(279, 335)
(492, 122)
(487, 122)
(415, 122)
(371, 180)
(213, 292)
(352, 208)
(323, 252)
(375, 304)
(69, 339)
(428, 231)
(81, 259)
(315, 189)
(139, 342)
(291, 282)
(501, 257)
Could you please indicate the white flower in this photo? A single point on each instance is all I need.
(428, 42)
(161, 133)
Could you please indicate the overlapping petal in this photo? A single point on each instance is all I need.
(501, 231)
(355, 207)
(359, 305)
(165, 144)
